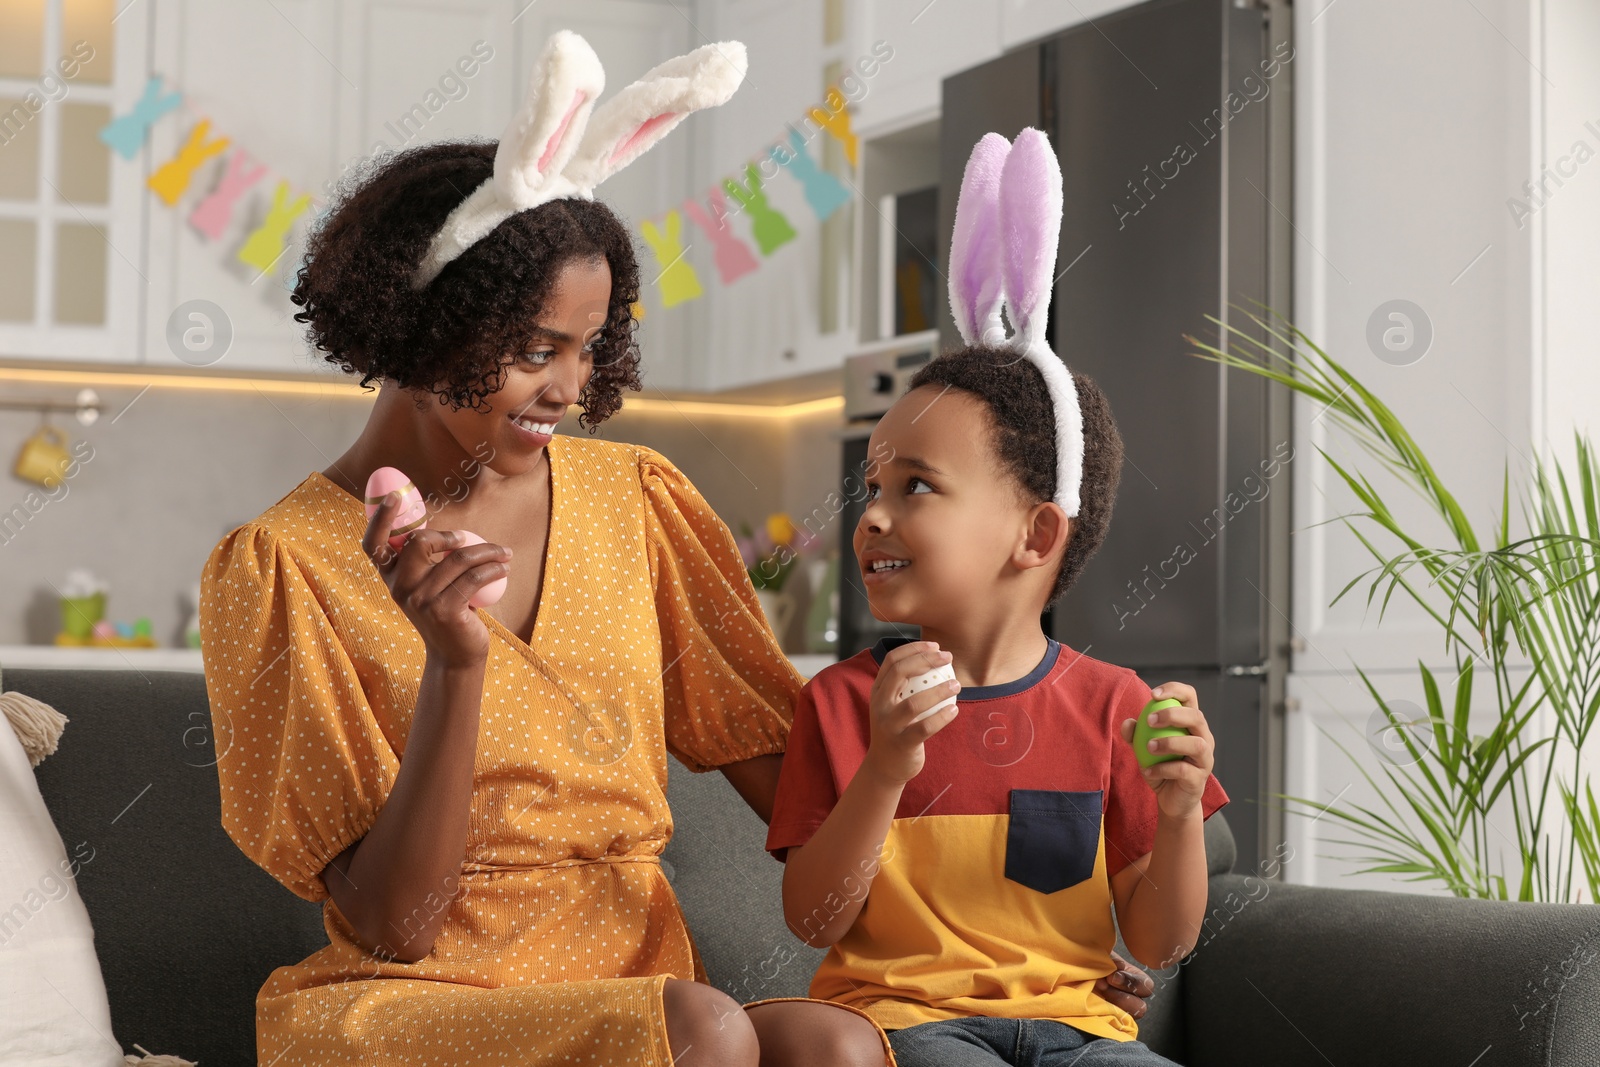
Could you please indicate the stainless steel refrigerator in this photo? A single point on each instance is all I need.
(1171, 120)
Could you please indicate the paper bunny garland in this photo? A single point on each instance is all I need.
(554, 148)
(1003, 251)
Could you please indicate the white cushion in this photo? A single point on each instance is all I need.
(53, 1009)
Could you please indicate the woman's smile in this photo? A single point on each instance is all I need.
(531, 432)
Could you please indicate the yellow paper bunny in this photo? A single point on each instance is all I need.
(678, 280)
(263, 247)
(172, 178)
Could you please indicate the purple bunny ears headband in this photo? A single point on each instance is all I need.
(552, 148)
(1003, 251)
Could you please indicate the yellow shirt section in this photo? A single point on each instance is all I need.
(944, 934)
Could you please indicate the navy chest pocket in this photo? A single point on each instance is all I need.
(1054, 837)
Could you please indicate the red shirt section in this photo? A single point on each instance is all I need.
(1056, 728)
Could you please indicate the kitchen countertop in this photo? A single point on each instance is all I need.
(188, 659)
(78, 658)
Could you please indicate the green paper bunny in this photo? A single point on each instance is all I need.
(770, 229)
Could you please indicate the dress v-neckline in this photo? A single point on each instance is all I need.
(551, 556)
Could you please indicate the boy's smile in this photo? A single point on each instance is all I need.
(945, 537)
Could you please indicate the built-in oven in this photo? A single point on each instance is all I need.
(874, 378)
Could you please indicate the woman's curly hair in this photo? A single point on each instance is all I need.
(455, 337)
(1014, 391)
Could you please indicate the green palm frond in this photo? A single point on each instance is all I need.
(1495, 600)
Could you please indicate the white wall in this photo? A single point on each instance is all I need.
(1565, 230)
(1415, 124)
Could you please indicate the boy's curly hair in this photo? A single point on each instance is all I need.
(454, 337)
(1014, 391)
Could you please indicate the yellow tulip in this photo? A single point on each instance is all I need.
(780, 528)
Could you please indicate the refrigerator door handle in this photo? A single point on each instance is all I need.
(1242, 670)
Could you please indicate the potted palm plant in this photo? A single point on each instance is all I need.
(1496, 598)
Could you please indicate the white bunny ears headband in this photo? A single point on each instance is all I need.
(1003, 251)
(551, 149)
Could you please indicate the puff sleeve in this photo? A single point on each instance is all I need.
(728, 688)
(303, 766)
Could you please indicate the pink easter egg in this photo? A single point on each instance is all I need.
(413, 513)
(491, 593)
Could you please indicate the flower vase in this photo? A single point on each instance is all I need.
(779, 609)
(822, 621)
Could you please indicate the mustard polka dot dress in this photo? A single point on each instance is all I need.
(555, 950)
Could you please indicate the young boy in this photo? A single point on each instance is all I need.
(962, 869)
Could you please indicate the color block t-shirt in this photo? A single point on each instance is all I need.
(992, 895)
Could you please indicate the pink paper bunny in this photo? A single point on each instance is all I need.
(212, 216)
(732, 256)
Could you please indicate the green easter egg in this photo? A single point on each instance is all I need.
(1143, 732)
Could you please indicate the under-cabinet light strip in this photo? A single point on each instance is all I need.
(350, 390)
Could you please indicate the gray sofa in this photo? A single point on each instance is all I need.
(187, 929)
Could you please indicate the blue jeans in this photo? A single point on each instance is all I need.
(982, 1041)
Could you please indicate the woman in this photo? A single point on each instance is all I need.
(478, 795)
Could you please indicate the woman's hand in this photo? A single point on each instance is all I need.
(434, 591)
(1127, 987)
(896, 749)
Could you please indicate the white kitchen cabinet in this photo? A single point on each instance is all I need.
(71, 272)
(1022, 21)
(309, 88)
(796, 312)
(932, 39)
(270, 78)
(422, 71)
(313, 90)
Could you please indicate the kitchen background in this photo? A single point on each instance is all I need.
(1432, 152)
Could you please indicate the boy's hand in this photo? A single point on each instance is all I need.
(896, 753)
(1180, 783)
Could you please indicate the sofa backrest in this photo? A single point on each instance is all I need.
(731, 890)
(187, 928)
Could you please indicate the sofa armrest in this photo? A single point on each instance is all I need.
(1296, 975)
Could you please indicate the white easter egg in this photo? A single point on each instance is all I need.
(927, 680)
